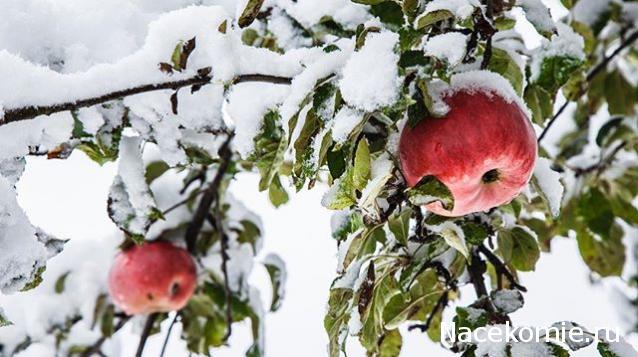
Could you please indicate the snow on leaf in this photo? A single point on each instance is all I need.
(548, 184)
(345, 121)
(438, 10)
(277, 271)
(538, 14)
(529, 349)
(507, 301)
(579, 341)
(557, 59)
(21, 254)
(449, 47)
(370, 77)
(131, 204)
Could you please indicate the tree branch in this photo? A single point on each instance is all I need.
(440, 304)
(97, 346)
(30, 112)
(500, 267)
(209, 196)
(590, 76)
(168, 334)
(145, 333)
(216, 220)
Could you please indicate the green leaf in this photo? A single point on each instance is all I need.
(430, 18)
(624, 210)
(270, 146)
(154, 170)
(399, 225)
(372, 318)
(605, 257)
(250, 233)
(59, 284)
(363, 244)
(428, 190)
(617, 90)
(389, 12)
(470, 318)
(336, 320)
(106, 322)
(4, 321)
(555, 71)
(540, 102)
(391, 344)
(475, 233)
(453, 236)
(250, 13)
(276, 270)
(595, 211)
(557, 350)
(342, 193)
(519, 248)
(362, 164)
(605, 350)
(277, 194)
(503, 64)
(331, 48)
(36, 278)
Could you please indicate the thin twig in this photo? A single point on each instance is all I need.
(95, 348)
(603, 163)
(216, 221)
(29, 112)
(209, 196)
(168, 334)
(440, 304)
(150, 321)
(590, 76)
(500, 267)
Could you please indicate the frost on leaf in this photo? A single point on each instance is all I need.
(22, 256)
(547, 182)
(131, 205)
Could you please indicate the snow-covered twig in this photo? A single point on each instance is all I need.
(30, 112)
(590, 76)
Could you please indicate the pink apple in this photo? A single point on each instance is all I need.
(483, 150)
(153, 277)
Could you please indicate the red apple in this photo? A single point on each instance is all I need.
(153, 277)
(483, 150)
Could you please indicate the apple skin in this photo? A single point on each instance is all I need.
(153, 277)
(481, 132)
